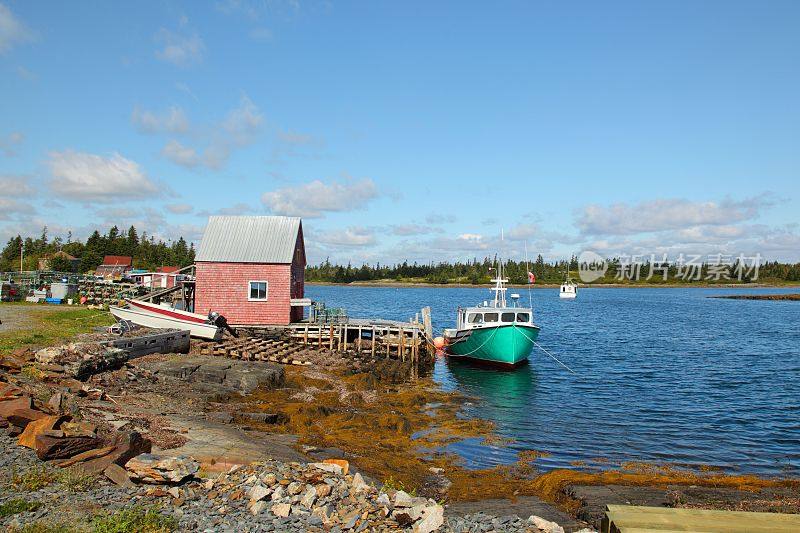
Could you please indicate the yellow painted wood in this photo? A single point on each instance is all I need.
(632, 519)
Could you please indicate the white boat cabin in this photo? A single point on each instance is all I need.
(569, 289)
(480, 316)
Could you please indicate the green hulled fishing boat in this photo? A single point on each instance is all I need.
(494, 332)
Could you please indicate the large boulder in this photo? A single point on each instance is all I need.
(160, 469)
(39, 427)
(50, 447)
(124, 447)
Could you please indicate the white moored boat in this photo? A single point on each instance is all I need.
(168, 319)
(569, 289)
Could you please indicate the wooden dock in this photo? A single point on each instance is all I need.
(407, 341)
(638, 519)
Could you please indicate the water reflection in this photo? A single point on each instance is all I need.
(497, 386)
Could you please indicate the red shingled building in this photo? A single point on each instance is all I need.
(114, 266)
(251, 269)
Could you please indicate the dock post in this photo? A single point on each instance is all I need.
(305, 336)
(319, 336)
(330, 341)
(414, 354)
(359, 339)
(345, 337)
(426, 321)
(401, 345)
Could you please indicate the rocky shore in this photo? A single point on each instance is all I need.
(344, 442)
(92, 437)
(266, 496)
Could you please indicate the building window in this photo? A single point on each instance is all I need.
(258, 291)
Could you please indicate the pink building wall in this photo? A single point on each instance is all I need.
(224, 288)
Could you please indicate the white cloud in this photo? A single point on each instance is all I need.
(244, 122)
(10, 206)
(413, 229)
(11, 185)
(313, 200)
(12, 31)
(117, 214)
(171, 121)
(179, 48)
(179, 209)
(290, 143)
(237, 209)
(353, 236)
(667, 214)
(9, 143)
(238, 129)
(179, 154)
(92, 178)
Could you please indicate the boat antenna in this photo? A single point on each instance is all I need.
(527, 270)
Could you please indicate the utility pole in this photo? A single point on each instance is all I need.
(20, 256)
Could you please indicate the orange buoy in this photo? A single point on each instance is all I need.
(439, 343)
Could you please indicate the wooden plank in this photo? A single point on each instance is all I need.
(623, 518)
(373, 342)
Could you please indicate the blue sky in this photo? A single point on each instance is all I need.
(410, 130)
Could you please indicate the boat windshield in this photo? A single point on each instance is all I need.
(507, 317)
(475, 318)
(490, 317)
(523, 317)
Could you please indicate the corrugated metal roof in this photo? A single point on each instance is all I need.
(249, 239)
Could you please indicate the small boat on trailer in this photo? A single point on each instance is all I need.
(153, 315)
(493, 332)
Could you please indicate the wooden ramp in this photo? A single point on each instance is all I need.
(636, 519)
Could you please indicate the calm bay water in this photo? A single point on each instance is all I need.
(662, 375)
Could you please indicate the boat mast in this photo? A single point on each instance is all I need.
(499, 283)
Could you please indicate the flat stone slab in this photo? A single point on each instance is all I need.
(214, 375)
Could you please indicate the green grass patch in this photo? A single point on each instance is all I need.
(48, 328)
(75, 480)
(33, 479)
(40, 476)
(136, 519)
(16, 506)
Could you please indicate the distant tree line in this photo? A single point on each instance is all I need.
(147, 253)
(618, 270)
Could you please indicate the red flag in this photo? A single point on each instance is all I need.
(531, 278)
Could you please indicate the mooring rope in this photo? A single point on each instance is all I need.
(548, 353)
(479, 347)
(553, 356)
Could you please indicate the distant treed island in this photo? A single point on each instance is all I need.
(149, 253)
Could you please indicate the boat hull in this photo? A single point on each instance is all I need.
(568, 295)
(166, 311)
(507, 345)
(161, 321)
